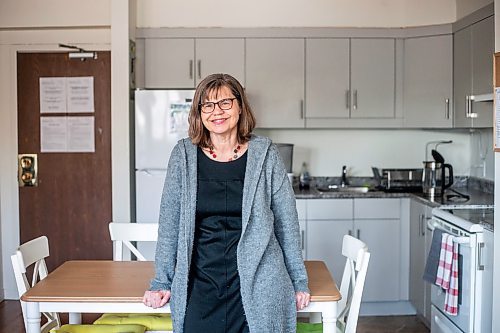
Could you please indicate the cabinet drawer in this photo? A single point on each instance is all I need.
(377, 208)
(329, 209)
(301, 208)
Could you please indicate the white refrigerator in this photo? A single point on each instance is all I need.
(161, 119)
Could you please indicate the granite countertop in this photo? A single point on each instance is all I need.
(479, 190)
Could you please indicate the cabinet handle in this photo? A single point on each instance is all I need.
(422, 232)
(302, 239)
(420, 224)
(472, 114)
(199, 69)
(355, 100)
(358, 233)
(190, 69)
(480, 249)
(301, 109)
(466, 106)
(348, 99)
(447, 108)
(349, 232)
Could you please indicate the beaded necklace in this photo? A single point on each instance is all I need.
(236, 151)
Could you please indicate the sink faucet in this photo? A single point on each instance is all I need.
(344, 181)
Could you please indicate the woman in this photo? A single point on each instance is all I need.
(228, 255)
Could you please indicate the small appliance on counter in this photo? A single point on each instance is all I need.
(398, 180)
(434, 179)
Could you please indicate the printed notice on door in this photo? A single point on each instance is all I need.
(80, 92)
(52, 95)
(67, 134)
(67, 94)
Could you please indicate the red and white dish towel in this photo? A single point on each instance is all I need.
(447, 274)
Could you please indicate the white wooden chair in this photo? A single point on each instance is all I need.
(123, 234)
(33, 252)
(353, 281)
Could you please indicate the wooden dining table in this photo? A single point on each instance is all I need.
(85, 286)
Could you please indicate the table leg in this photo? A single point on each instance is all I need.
(75, 318)
(329, 318)
(33, 319)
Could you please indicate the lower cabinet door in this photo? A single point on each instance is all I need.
(324, 242)
(382, 236)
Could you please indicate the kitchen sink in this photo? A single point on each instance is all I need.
(347, 188)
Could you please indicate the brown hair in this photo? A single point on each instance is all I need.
(212, 84)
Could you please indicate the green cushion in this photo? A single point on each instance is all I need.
(100, 329)
(309, 328)
(152, 321)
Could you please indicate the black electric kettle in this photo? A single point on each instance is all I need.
(434, 176)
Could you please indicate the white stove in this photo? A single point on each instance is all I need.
(467, 225)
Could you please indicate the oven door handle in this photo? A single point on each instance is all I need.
(464, 240)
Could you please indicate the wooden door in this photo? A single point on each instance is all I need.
(72, 203)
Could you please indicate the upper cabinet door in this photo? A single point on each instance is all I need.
(428, 81)
(483, 48)
(462, 71)
(327, 78)
(473, 74)
(220, 55)
(373, 78)
(169, 63)
(275, 81)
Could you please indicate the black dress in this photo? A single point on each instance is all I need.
(214, 300)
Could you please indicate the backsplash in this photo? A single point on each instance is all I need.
(326, 151)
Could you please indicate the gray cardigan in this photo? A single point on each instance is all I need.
(269, 258)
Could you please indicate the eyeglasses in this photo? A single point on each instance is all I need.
(224, 104)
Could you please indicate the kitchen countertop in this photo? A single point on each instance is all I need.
(471, 188)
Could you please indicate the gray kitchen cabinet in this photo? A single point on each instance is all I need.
(183, 62)
(473, 74)
(328, 220)
(327, 78)
(222, 55)
(420, 240)
(169, 63)
(428, 82)
(275, 81)
(373, 78)
(373, 218)
(349, 79)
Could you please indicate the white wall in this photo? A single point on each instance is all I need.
(54, 13)
(326, 151)
(294, 13)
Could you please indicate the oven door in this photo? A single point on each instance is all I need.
(466, 276)
(441, 324)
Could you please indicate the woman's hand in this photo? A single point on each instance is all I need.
(302, 299)
(156, 298)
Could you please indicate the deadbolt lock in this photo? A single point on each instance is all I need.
(27, 170)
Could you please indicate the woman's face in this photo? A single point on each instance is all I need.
(223, 119)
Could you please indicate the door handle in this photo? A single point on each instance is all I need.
(27, 170)
(190, 69)
(199, 69)
(355, 100)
